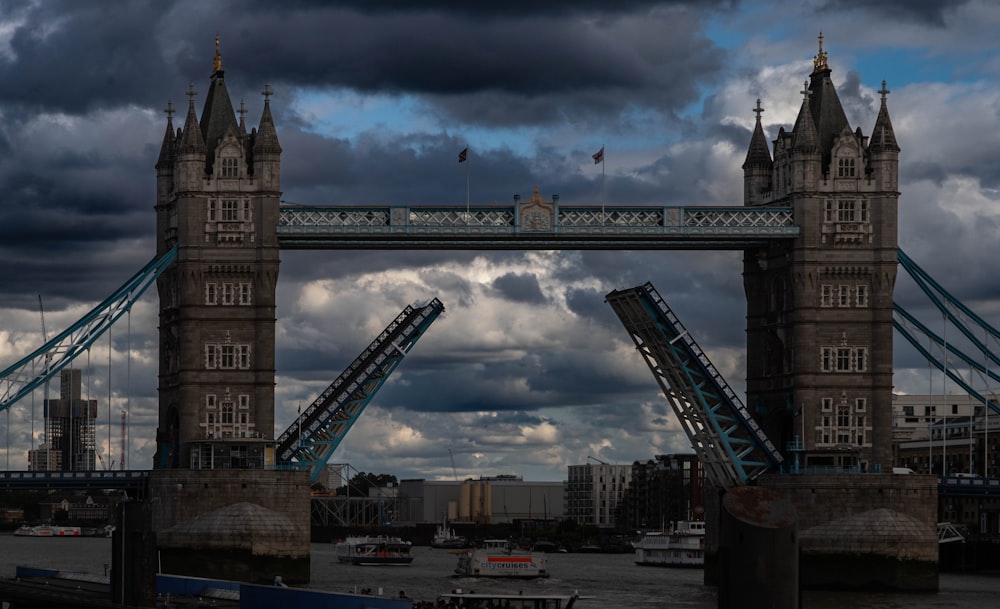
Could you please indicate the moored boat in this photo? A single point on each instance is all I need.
(446, 538)
(371, 551)
(682, 546)
(499, 558)
(493, 600)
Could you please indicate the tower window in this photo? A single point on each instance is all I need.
(230, 167)
(844, 359)
(210, 294)
(230, 211)
(861, 295)
(826, 298)
(844, 299)
(846, 211)
(845, 168)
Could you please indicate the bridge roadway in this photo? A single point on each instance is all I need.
(136, 480)
(535, 224)
(124, 480)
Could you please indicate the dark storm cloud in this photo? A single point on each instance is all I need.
(479, 10)
(519, 288)
(929, 12)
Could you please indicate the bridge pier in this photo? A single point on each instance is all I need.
(759, 553)
(241, 525)
(856, 531)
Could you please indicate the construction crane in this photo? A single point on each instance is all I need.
(48, 362)
(596, 459)
(453, 470)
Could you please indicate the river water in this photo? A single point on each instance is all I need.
(604, 581)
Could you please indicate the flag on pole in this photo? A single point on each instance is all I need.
(464, 155)
(599, 156)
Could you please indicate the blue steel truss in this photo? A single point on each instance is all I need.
(731, 445)
(312, 438)
(533, 225)
(939, 352)
(32, 371)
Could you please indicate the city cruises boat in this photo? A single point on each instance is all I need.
(446, 538)
(499, 600)
(44, 530)
(499, 558)
(380, 550)
(682, 546)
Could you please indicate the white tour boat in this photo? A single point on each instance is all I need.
(499, 558)
(380, 550)
(682, 546)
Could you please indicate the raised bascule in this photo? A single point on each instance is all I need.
(818, 232)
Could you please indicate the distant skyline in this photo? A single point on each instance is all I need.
(528, 370)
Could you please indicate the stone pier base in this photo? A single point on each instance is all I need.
(241, 525)
(856, 531)
(864, 531)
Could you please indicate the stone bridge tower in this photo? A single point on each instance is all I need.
(819, 309)
(218, 190)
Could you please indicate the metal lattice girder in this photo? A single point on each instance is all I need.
(731, 445)
(310, 440)
(556, 227)
(23, 377)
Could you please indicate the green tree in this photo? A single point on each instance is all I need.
(362, 482)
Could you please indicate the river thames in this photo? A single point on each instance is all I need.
(605, 581)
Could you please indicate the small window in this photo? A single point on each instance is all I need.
(843, 296)
(211, 357)
(230, 211)
(210, 400)
(210, 295)
(861, 296)
(227, 294)
(230, 167)
(827, 405)
(246, 294)
(826, 295)
(861, 405)
(244, 363)
(845, 168)
(227, 357)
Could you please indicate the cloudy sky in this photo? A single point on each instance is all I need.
(528, 371)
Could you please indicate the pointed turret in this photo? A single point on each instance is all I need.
(805, 133)
(266, 140)
(824, 104)
(165, 162)
(266, 152)
(191, 140)
(758, 154)
(218, 116)
(758, 165)
(883, 137)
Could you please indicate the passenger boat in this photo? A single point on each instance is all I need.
(682, 546)
(499, 558)
(380, 550)
(446, 538)
(44, 530)
(499, 600)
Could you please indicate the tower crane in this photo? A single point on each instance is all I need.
(453, 470)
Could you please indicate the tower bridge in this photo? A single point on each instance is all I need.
(817, 228)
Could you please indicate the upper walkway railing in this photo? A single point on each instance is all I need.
(533, 225)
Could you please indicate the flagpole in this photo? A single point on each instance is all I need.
(604, 219)
(468, 173)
